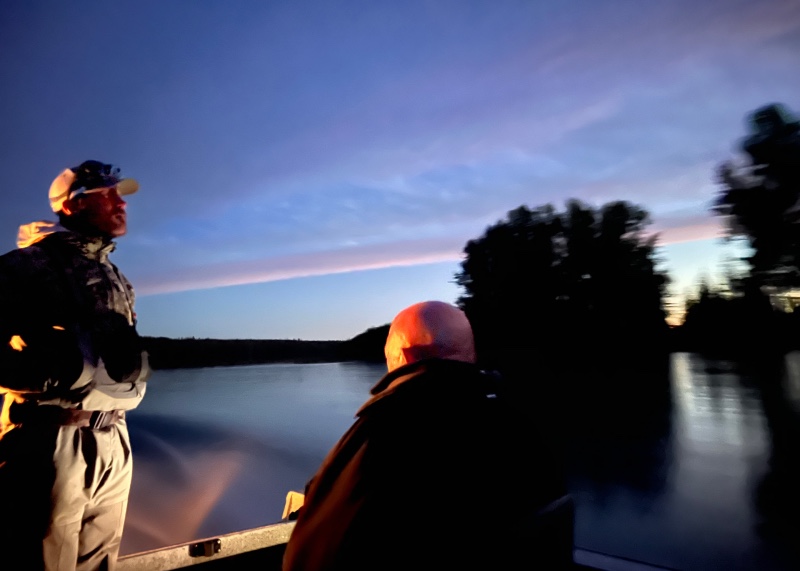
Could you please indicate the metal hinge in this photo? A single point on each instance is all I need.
(205, 548)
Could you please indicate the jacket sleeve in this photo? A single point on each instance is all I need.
(38, 346)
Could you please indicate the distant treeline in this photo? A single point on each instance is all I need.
(716, 327)
(736, 327)
(186, 353)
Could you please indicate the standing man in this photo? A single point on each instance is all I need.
(439, 470)
(71, 364)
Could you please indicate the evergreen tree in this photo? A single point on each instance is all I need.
(760, 199)
(578, 280)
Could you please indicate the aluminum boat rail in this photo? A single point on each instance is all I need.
(262, 548)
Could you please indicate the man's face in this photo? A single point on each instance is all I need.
(102, 210)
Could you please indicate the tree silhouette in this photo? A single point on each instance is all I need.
(583, 278)
(760, 199)
(567, 307)
(515, 260)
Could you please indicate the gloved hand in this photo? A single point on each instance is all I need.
(39, 359)
(120, 347)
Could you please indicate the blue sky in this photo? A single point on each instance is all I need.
(309, 168)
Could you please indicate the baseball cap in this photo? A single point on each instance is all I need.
(89, 176)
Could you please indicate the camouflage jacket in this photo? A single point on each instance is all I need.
(67, 323)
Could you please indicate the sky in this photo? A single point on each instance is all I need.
(307, 169)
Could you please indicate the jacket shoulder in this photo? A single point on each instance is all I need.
(25, 260)
(31, 280)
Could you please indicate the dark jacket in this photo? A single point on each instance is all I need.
(438, 471)
(74, 311)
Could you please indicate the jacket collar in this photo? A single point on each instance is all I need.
(94, 248)
(402, 376)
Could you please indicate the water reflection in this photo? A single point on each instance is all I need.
(777, 493)
(674, 486)
(689, 466)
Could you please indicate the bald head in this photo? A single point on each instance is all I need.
(428, 330)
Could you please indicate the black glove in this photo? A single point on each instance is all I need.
(120, 347)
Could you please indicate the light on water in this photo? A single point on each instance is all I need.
(177, 493)
(216, 450)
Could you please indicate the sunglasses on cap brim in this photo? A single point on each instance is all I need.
(92, 177)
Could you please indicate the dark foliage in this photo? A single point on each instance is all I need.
(367, 346)
(567, 306)
(760, 200)
(168, 353)
(741, 327)
(583, 281)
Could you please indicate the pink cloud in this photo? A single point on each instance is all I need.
(691, 232)
(304, 265)
(376, 256)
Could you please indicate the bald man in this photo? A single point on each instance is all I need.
(437, 471)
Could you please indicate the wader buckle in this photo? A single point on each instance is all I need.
(102, 419)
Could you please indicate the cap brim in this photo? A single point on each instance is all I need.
(127, 186)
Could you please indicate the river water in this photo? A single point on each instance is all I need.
(217, 449)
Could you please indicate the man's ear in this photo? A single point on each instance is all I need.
(418, 353)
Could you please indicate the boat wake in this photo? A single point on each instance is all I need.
(173, 493)
(192, 481)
